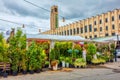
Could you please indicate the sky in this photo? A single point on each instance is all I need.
(36, 18)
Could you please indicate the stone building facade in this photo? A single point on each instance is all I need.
(105, 24)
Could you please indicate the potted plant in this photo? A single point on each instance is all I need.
(62, 59)
(6, 63)
(23, 53)
(15, 50)
(53, 58)
(67, 60)
(4, 56)
(91, 51)
(54, 64)
(24, 62)
(14, 62)
(31, 55)
(89, 58)
(41, 57)
(47, 64)
(80, 62)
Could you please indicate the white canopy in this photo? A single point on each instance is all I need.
(106, 39)
(56, 37)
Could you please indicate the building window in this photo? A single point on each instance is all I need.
(77, 30)
(106, 34)
(62, 33)
(86, 37)
(67, 32)
(100, 21)
(119, 17)
(52, 10)
(85, 28)
(90, 28)
(112, 18)
(106, 20)
(100, 28)
(70, 31)
(94, 22)
(95, 29)
(113, 26)
(113, 34)
(55, 9)
(81, 30)
(90, 37)
(106, 28)
(74, 30)
(95, 36)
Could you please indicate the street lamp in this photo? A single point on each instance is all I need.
(117, 40)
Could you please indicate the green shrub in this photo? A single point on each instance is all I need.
(80, 62)
(91, 49)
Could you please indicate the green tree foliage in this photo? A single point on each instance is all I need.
(17, 50)
(79, 48)
(4, 56)
(91, 49)
(62, 48)
(36, 56)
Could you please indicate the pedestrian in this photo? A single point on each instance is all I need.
(115, 55)
(84, 54)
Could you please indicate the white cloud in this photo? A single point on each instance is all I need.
(22, 12)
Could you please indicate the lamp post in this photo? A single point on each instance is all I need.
(117, 38)
(118, 44)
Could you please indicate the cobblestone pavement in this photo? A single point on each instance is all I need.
(75, 74)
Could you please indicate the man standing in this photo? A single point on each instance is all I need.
(115, 55)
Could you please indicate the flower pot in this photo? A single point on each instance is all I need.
(24, 71)
(67, 65)
(31, 72)
(63, 63)
(46, 66)
(14, 73)
(55, 67)
(37, 70)
(5, 75)
(54, 64)
(71, 66)
(111, 60)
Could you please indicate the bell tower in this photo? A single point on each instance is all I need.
(54, 17)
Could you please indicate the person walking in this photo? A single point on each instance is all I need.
(84, 54)
(115, 55)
